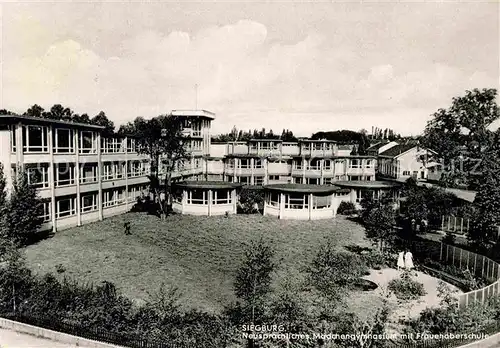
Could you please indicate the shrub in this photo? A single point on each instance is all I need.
(405, 288)
(250, 200)
(449, 238)
(346, 208)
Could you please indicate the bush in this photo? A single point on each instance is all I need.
(406, 288)
(250, 200)
(449, 238)
(346, 208)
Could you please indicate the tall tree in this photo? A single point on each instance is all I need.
(487, 201)
(253, 278)
(162, 140)
(380, 224)
(24, 210)
(35, 111)
(102, 120)
(460, 133)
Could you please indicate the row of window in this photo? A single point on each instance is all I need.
(65, 173)
(66, 206)
(299, 201)
(201, 197)
(35, 139)
(259, 180)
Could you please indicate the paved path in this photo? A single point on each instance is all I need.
(11, 339)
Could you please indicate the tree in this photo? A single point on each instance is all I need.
(34, 111)
(484, 227)
(253, 278)
(380, 224)
(334, 271)
(102, 120)
(6, 112)
(162, 140)
(4, 241)
(24, 211)
(460, 133)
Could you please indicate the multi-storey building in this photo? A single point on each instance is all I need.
(403, 161)
(81, 175)
(313, 162)
(85, 176)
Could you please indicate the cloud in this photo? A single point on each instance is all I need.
(246, 78)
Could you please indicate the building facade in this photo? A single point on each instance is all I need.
(403, 161)
(85, 176)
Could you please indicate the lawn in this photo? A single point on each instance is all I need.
(198, 255)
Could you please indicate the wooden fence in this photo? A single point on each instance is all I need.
(455, 224)
(478, 265)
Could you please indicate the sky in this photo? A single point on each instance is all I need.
(305, 66)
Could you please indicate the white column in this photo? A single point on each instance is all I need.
(20, 144)
(52, 175)
(234, 197)
(333, 204)
(5, 155)
(209, 193)
(76, 138)
(304, 165)
(252, 163)
(99, 173)
(282, 205)
(266, 201)
(321, 166)
(310, 205)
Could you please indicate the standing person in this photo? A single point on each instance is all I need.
(401, 261)
(409, 261)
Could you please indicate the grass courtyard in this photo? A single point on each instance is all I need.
(198, 255)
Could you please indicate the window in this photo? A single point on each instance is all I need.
(131, 145)
(65, 174)
(296, 201)
(46, 216)
(244, 179)
(258, 180)
(88, 173)
(244, 163)
(327, 181)
(230, 164)
(317, 146)
(64, 141)
(257, 163)
(88, 142)
(112, 145)
(327, 165)
(13, 140)
(107, 171)
(197, 197)
(66, 206)
(354, 178)
(134, 169)
(118, 170)
(297, 180)
(321, 202)
(274, 199)
(113, 197)
(89, 202)
(315, 165)
(35, 139)
(221, 197)
(313, 181)
(297, 164)
(369, 163)
(38, 176)
(274, 177)
(406, 172)
(354, 163)
(196, 127)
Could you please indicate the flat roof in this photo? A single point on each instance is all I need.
(304, 188)
(266, 140)
(39, 120)
(208, 185)
(193, 113)
(373, 184)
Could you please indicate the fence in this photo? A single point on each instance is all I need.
(454, 224)
(479, 265)
(95, 334)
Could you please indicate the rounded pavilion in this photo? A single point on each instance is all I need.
(374, 189)
(303, 202)
(205, 197)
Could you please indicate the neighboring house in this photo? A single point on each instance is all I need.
(403, 161)
(378, 148)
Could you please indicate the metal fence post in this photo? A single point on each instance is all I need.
(482, 271)
(441, 252)
(460, 263)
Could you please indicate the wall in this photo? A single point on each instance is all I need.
(52, 335)
(409, 161)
